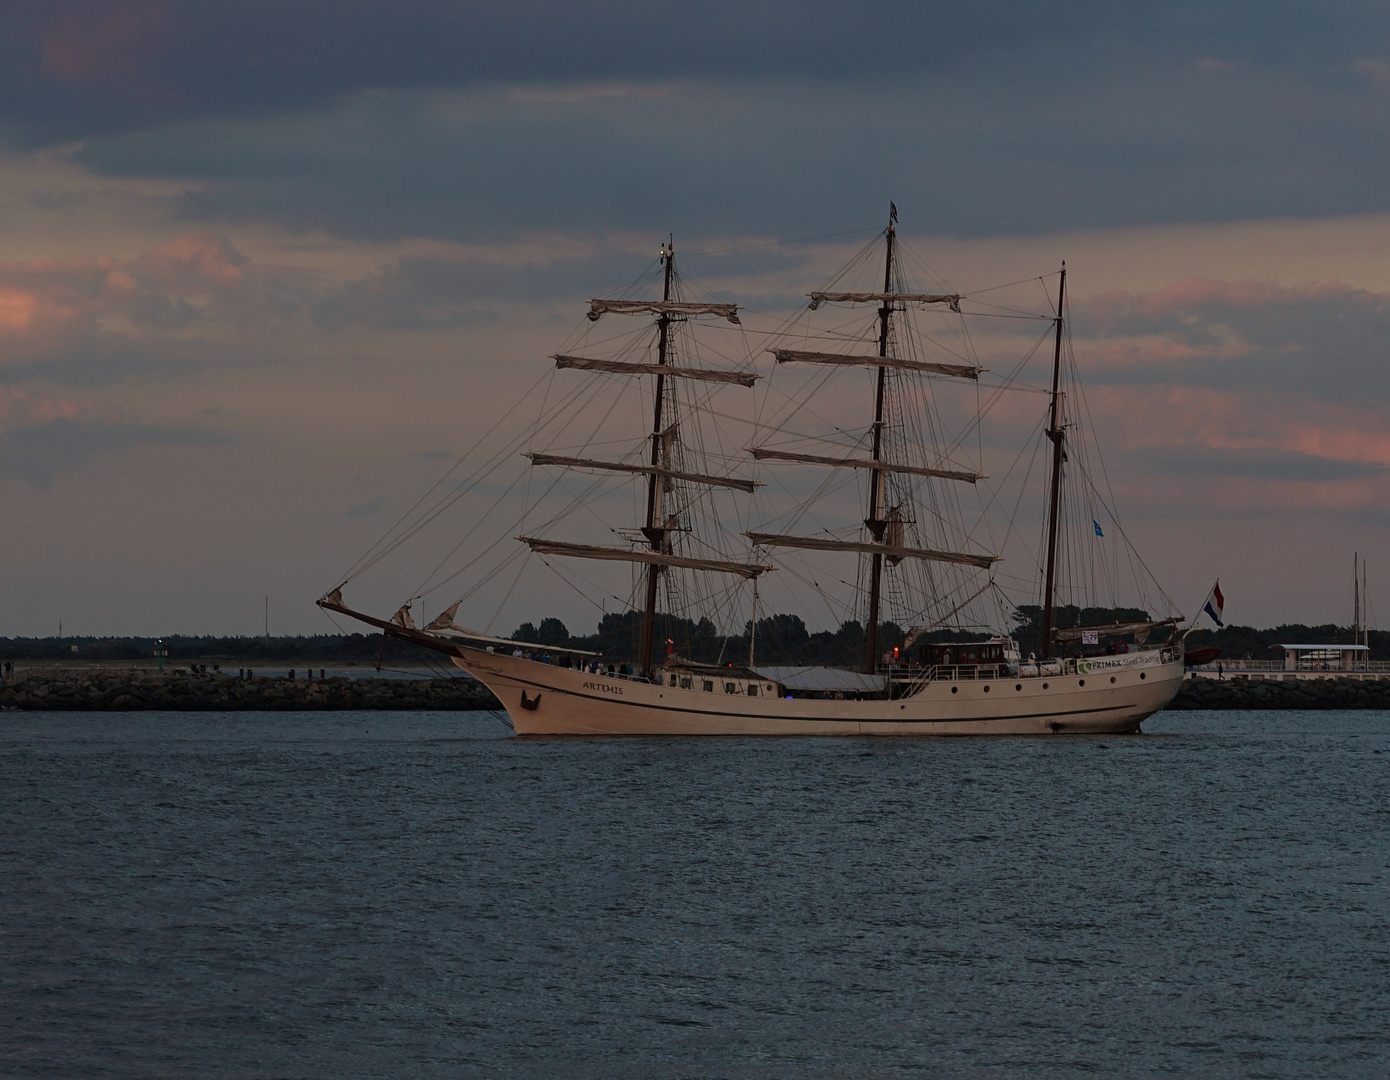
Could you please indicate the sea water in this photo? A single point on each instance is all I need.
(422, 895)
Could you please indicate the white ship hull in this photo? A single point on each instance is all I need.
(1108, 695)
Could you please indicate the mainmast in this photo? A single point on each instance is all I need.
(1055, 432)
(874, 522)
(655, 530)
(886, 539)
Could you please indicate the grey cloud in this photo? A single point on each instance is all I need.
(94, 364)
(997, 146)
(370, 508)
(38, 454)
(72, 68)
(1330, 341)
(1257, 463)
(419, 292)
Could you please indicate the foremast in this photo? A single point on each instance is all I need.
(660, 467)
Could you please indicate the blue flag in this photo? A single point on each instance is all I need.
(1096, 525)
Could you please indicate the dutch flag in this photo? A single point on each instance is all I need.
(1216, 604)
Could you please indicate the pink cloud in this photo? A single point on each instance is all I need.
(17, 309)
(42, 297)
(1377, 70)
(35, 303)
(106, 44)
(206, 256)
(22, 408)
(1169, 418)
(1341, 444)
(1116, 310)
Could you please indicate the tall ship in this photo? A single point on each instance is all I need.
(700, 475)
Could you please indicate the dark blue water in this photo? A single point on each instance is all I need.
(417, 895)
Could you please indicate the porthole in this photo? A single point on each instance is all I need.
(1044, 686)
(986, 689)
(1080, 682)
(1112, 678)
(1143, 675)
(1018, 686)
(955, 689)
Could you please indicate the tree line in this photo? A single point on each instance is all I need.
(780, 639)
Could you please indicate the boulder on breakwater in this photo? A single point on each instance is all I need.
(119, 691)
(1243, 693)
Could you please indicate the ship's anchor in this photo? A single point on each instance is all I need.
(530, 703)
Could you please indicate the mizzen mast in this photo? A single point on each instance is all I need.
(1056, 433)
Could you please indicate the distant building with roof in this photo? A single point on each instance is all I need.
(1324, 657)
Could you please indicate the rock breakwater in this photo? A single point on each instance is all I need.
(1239, 693)
(108, 691)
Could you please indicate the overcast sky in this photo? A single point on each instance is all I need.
(264, 266)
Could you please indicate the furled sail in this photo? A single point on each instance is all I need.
(816, 543)
(645, 470)
(895, 534)
(402, 617)
(445, 619)
(1140, 628)
(951, 300)
(621, 367)
(763, 454)
(651, 558)
(598, 308)
(800, 356)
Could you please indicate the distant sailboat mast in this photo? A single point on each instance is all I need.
(1361, 603)
(1356, 597)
